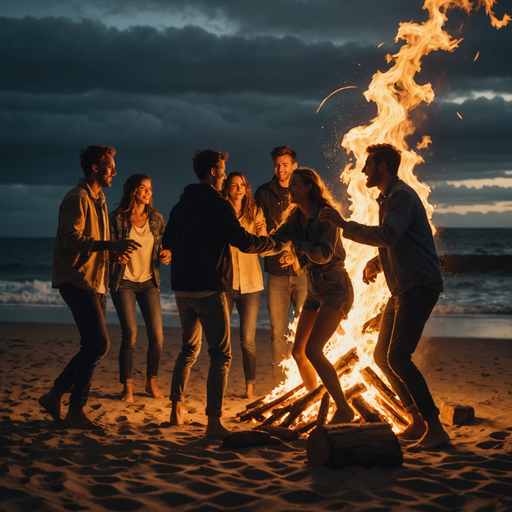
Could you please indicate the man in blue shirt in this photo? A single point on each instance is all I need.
(408, 258)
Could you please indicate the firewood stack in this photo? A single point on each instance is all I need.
(287, 410)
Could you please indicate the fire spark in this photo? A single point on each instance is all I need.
(351, 348)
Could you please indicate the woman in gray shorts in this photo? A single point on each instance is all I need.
(319, 250)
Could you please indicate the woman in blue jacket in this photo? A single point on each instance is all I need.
(330, 294)
(137, 279)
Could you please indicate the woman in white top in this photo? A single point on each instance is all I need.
(247, 276)
(137, 279)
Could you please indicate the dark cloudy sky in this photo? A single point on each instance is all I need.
(159, 79)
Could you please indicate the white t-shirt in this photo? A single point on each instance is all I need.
(138, 269)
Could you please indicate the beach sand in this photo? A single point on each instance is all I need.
(139, 462)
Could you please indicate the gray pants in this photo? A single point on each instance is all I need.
(211, 314)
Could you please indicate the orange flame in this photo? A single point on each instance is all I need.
(395, 93)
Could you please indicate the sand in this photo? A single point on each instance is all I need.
(139, 462)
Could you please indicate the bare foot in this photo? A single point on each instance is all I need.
(433, 438)
(76, 418)
(51, 403)
(177, 415)
(413, 432)
(127, 393)
(215, 428)
(345, 415)
(152, 389)
(249, 392)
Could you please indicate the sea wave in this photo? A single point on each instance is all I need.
(29, 293)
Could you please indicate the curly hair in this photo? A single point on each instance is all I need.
(249, 206)
(318, 194)
(127, 203)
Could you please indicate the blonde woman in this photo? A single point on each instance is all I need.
(330, 295)
(137, 279)
(247, 276)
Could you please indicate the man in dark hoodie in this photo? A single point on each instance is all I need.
(200, 230)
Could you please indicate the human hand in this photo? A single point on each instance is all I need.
(287, 259)
(165, 256)
(125, 246)
(328, 214)
(370, 273)
(261, 228)
(123, 258)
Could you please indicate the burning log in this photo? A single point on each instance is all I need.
(304, 429)
(354, 444)
(301, 404)
(355, 390)
(366, 411)
(396, 417)
(266, 407)
(342, 366)
(324, 409)
(372, 378)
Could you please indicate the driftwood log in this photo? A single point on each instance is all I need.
(354, 444)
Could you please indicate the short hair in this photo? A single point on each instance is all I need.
(388, 154)
(205, 159)
(283, 150)
(93, 155)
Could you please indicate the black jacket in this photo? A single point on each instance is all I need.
(200, 230)
(268, 198)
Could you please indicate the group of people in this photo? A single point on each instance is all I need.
(212, 240)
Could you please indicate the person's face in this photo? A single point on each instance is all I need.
(298, 191)
(284, 167)
(106, 170)
(219, 175)
(236, 189)
(372, 172)
(144, 192)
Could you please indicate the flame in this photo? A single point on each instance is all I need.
(395, 93)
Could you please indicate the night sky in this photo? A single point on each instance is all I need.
(159, 79)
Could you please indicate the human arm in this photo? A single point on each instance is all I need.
(329, 214)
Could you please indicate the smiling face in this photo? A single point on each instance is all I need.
(284, 167)
(298, 191)
(105, 171)
(373, 173)
(144, 192)
(219, 175)
(236, 189)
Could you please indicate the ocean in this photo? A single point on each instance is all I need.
(477, 301)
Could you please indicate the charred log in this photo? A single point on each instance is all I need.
(368, 413)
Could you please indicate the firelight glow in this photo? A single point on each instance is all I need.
(396, 94)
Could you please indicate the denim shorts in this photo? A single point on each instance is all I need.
(329, 287)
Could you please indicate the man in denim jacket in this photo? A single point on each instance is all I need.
(408, 258)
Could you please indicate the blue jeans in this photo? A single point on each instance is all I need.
(400, 331)
(248, 305)
(281, 292)
(88, 309)
(211, 314)
(148, 297)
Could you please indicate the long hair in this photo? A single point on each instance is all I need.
(249, 206)
(127, 203)
(318, 194)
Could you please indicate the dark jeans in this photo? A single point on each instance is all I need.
(248, 305)
(88, 310)
(400, 331)
(211, 314)
(148, 297)
(281, 292)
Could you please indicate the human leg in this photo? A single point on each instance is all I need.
(190, 347)
(248, 306)
(278, 298)
(214, 318)
(148, 299)
(327, 321)
(124, 302)
(304, 327)
(88, 309)
(298, 291)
